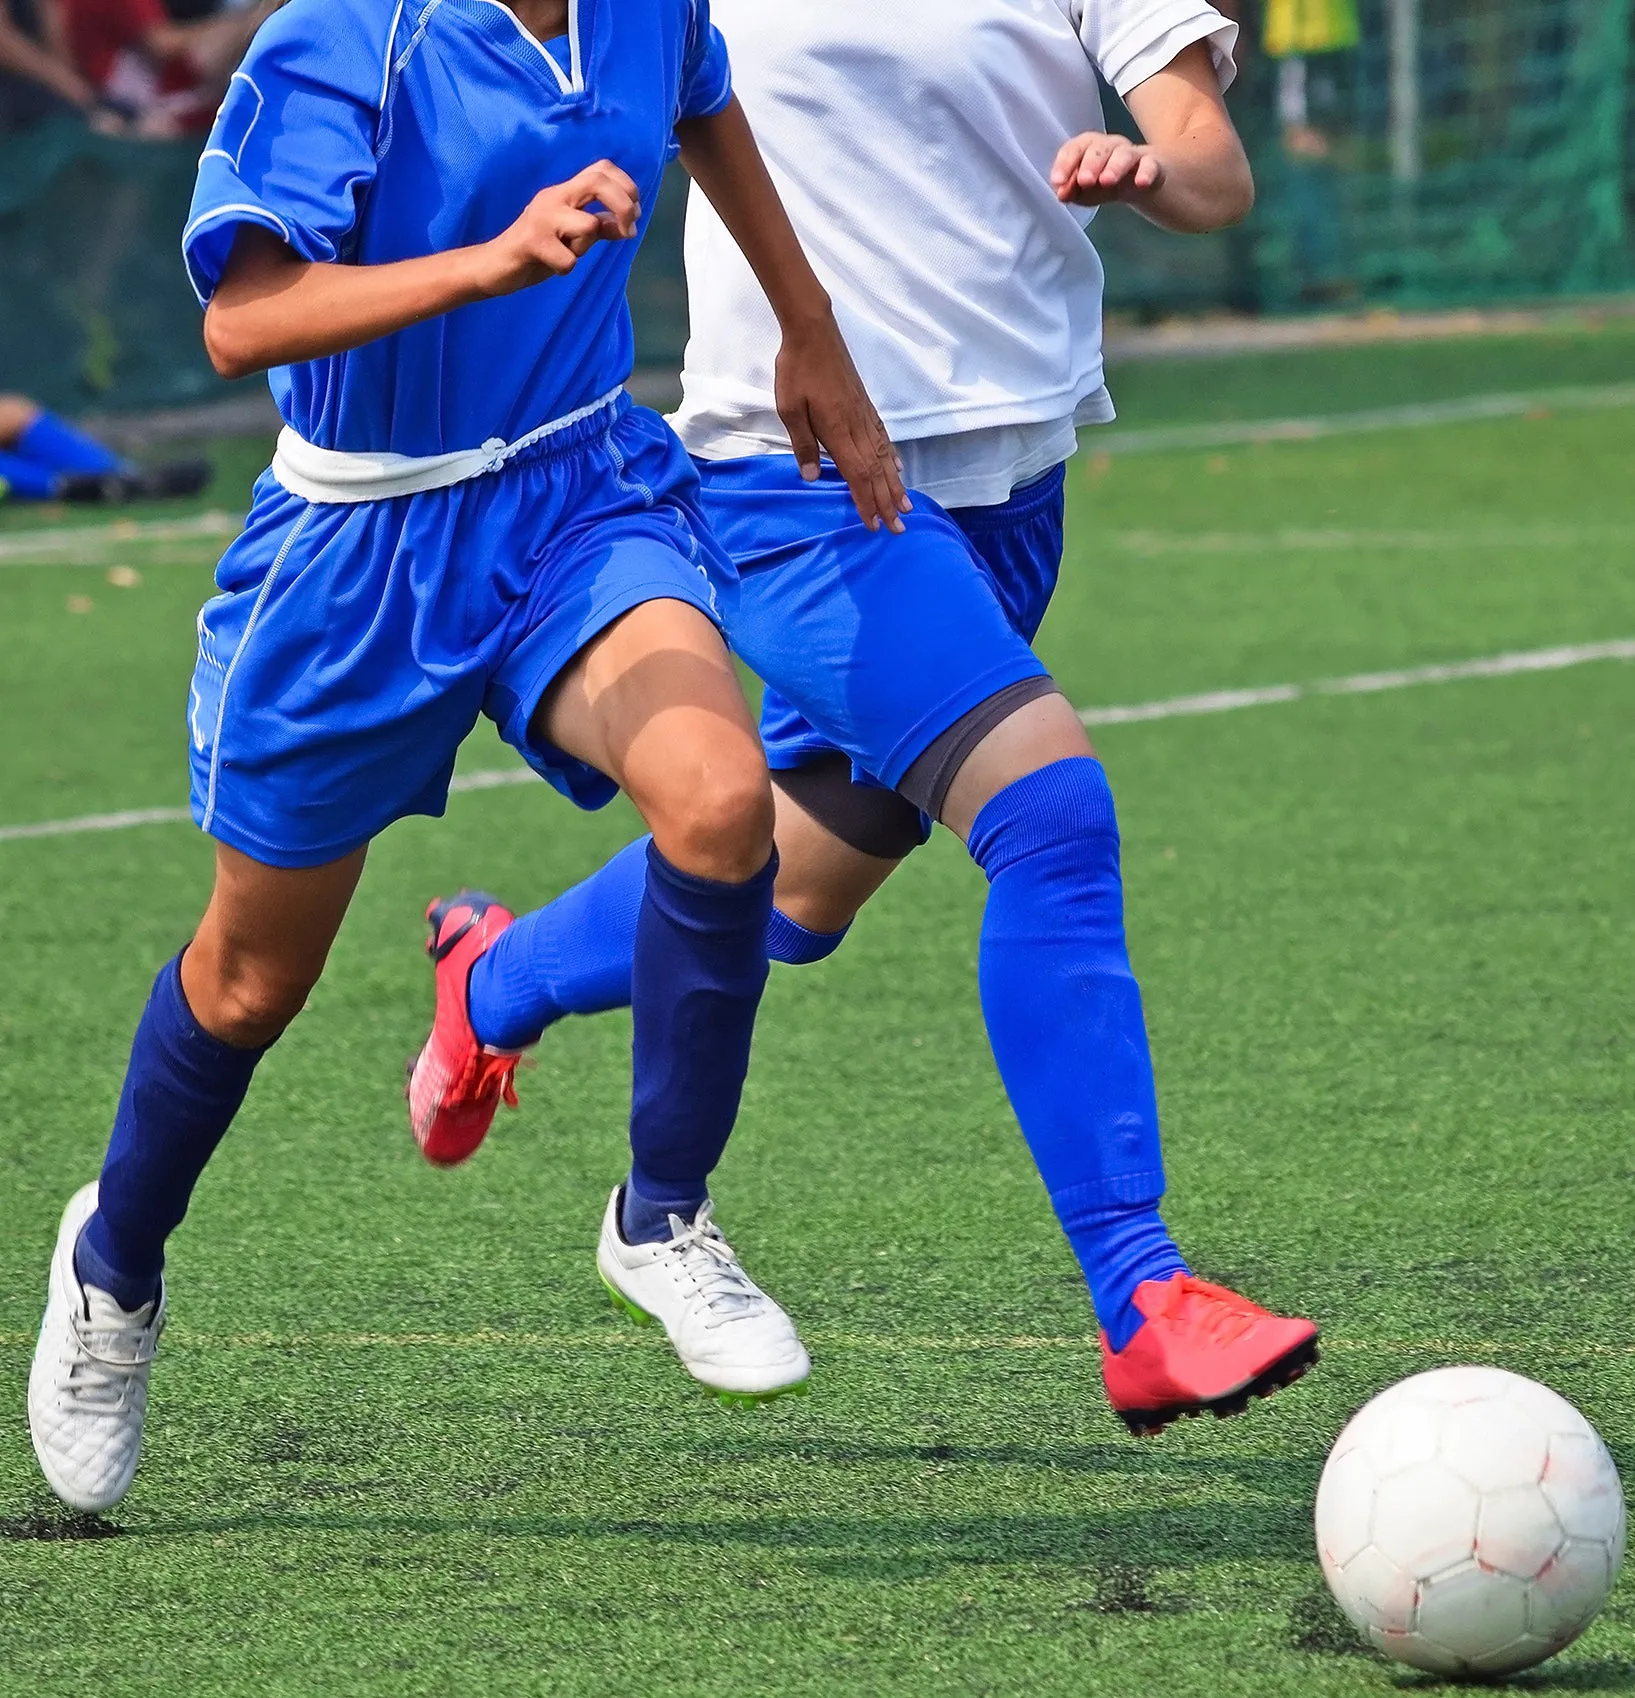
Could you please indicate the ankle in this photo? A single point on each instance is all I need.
(1120, 1247)
(98, 1262)
(645, 1219)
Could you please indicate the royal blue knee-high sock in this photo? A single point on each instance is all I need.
(59, 447)
(699, 969)
(573, 956)
(24, 480)
(182, 1089)
(570, 957)
(1064, 1017)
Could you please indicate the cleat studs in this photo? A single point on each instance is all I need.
(735, 1401)
(622, 1305)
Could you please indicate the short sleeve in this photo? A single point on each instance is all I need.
(706, 73)
(293, 146)
(1131, 40)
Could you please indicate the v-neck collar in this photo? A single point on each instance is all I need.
(570, 81)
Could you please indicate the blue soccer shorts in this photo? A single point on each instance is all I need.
(869, 643)
(353, 647)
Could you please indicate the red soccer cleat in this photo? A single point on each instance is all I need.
(456, 1084)
(1202, 1349)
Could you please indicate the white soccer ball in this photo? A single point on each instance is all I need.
(1470, 1522)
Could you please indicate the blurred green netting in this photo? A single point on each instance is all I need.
(1494, 167)
(95, 307)
(1463, 152)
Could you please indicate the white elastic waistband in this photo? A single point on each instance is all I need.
(328, 476)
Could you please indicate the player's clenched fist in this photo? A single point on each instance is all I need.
(1094, 168)
(560, 225)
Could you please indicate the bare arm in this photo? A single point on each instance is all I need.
(274, 308)
(1190, 174)
(26, 58)
(821, 399)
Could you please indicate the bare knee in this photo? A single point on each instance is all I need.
(816, 906)
(1038, 735)
(715, 822)
(242, 1000)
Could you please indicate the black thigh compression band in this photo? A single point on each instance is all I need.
(889, 823)
(926, 784)
(873, 821)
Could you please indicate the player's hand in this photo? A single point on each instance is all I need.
(559, 226)
(824, 407)
(1094, 169)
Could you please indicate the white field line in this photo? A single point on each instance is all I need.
(31, 548)
(88, 823)
(1469, 409)
(1366, 683)
(70, 548)
(1530, 538)
(1175, 707)
(94, 822)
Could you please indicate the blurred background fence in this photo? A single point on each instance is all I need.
(1408, 154)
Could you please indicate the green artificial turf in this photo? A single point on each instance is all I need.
(401, 1445)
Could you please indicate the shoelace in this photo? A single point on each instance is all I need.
(1222, 1316)
(708, 1260)
(483, 1076)
(98, 1380)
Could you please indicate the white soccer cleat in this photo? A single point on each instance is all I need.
(88, 1389)
(729, 1334)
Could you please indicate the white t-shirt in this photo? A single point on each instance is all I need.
(912, 141)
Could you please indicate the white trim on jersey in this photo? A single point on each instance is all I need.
(571, 81)
(248, 214)
(391, 42)
(234, 159)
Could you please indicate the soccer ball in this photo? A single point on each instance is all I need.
(1470, 1522)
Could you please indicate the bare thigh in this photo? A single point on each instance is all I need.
(655, 704)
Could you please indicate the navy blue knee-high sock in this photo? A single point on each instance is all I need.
(573, 956)
(182, 1089)
(1064, 1017)
(699, 969)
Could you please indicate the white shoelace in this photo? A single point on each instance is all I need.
(715, 1273)
(113, 1349)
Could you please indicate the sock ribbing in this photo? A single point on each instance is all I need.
(1060, 803)
(795, 945)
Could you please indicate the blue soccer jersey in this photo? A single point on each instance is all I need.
(367, 131)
